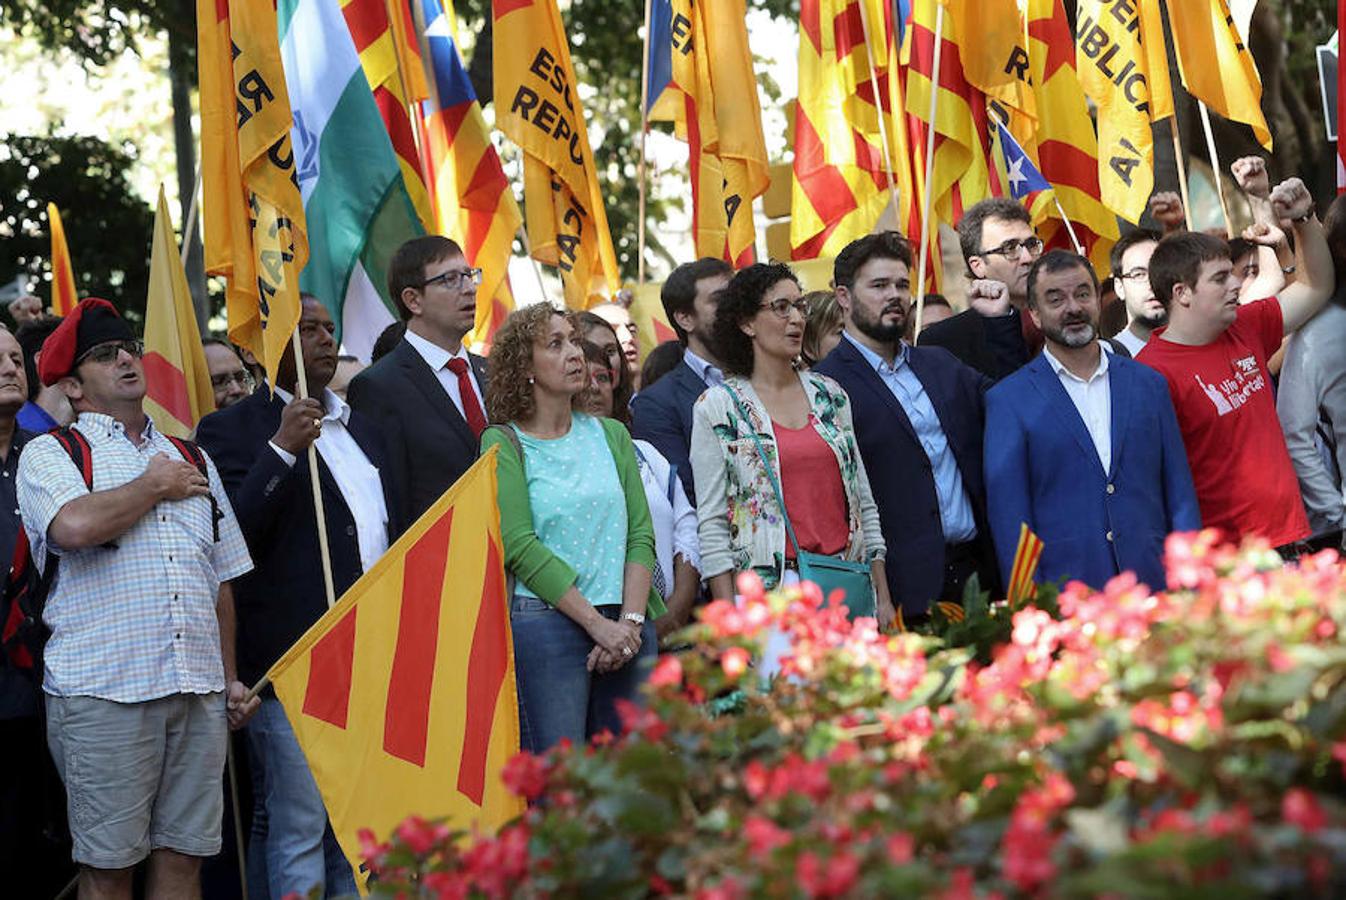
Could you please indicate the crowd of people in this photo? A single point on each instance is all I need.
(828, 435)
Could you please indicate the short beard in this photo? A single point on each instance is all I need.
(1073, 341)
(1153, 320)
(875, 329)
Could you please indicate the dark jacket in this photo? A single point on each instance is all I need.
(429, 443)
(662, 415)
(283, 595)
(900, 474)
(965, 336)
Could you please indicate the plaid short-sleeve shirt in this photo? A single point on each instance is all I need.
(134, 621)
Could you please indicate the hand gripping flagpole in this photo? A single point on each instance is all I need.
(929, 168)
(879, 113)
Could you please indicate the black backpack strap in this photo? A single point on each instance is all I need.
(191, 451)
(76, 446)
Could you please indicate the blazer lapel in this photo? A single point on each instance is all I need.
(852, 357)
(418, 372)
(1049, 385)
(1119, 391)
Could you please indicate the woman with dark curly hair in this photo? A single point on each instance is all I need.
(577, 534)
(773, 432)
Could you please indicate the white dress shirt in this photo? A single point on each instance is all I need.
(356, 477)
(1093, 401)
(437, 358)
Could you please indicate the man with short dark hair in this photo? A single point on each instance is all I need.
(918, 422)
(993, 335)
(1130, 259)
(1082, 445)
(427, 394)
(260, 445)
(1214, 355)
(139, 670)
(228, 378)
(662, 414)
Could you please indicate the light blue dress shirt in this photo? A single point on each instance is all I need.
(955, 510)
(707, 371)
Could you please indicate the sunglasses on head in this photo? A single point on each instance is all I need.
(108, 351)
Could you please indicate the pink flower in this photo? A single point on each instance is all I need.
(525, 775)
(728, 888)
(734, 661)
(764, 836)
(749, 587)
(417, 834)
(1300, 808)
(667, 672)
(832, 878)
(901, 848)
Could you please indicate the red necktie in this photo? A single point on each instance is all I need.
(476, 419)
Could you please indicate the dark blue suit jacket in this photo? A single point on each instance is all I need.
(662, 415)
(283, 595)
(1042, 468)
(900, 474)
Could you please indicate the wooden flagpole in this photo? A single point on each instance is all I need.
(1215, 167)
(189, 225)
(878, 108)
(929, 169)
(644, 130)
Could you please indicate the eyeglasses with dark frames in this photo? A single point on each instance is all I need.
(454, 279)
(1011, 248)
(781, 306)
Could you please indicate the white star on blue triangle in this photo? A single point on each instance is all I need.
(1024, 177)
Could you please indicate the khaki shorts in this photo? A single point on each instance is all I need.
(140, 776)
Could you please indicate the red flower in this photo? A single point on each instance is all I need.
(667, 672)
(764, 836)
(833, 878)
(756, 779)
(417, 834)
(901, 848)
(749, 587)
(636, 719)
(525, 775)
(727, 889)
(1300, 808)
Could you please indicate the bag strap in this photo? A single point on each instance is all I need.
(766, 463)
(512, 436)
(76, 446)
(191, 452)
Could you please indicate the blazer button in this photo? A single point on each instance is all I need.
(1109, 535)
(350, 531)
(1112, 489)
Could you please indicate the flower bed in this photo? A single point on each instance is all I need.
(1118, 744)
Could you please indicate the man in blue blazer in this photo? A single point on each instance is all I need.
(1084, 446)
(918, 421)
(662, 413)
(260, 446)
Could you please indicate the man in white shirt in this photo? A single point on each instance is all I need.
(262, 444)
(1131, 279)
(427, 395)
(1083, 446)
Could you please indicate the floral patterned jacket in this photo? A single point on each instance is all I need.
(739, 520)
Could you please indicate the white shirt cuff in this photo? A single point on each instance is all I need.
(285, 455)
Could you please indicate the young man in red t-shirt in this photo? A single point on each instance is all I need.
(1214, 356)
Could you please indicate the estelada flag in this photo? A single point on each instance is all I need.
(255, 233)
(63, 298)
(177, 381)
(537, 105)
(402, 695)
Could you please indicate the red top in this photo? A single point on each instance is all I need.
(814, 495)
(1226, 410)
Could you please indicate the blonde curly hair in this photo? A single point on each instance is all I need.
(509, 389)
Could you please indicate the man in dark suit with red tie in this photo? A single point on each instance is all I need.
(427, 394)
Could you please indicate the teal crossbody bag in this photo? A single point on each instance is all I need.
(830, 573)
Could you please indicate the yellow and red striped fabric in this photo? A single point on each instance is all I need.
(1025, 566)
(63, 297)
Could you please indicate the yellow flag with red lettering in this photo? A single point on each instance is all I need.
(253, 215)
(63, 297)
(402, 695)
(177, 381)
(538, 107)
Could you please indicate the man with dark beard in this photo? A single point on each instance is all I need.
(1131, 279)
(918, 421)
(1083, 445)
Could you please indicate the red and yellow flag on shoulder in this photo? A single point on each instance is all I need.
(396, 77)
(63, 297)
(253, 215)
(538, 107)
(402, 696)
(177, 380)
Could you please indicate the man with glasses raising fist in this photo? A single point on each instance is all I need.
(426, 394)
(992, 335)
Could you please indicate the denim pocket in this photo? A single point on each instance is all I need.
(520, 603)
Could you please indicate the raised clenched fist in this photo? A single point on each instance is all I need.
(1166, 207)
(1264, 235)
(1251, 174)
(987, 297)
(1291, 200)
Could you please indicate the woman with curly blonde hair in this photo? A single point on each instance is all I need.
(577, 534)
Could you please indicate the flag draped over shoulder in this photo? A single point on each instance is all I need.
(396, 76)
(841, 171)
(1121, 60)
(177, 380)
(473, 201)
(63, 297)
(402, 695)
(353, 191)
(1217, 67)
(253, 215)
(1064, 139)
(537, 107)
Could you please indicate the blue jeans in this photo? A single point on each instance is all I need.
(289, 828)
(559, 697)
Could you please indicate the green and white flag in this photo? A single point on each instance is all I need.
(357, 205)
